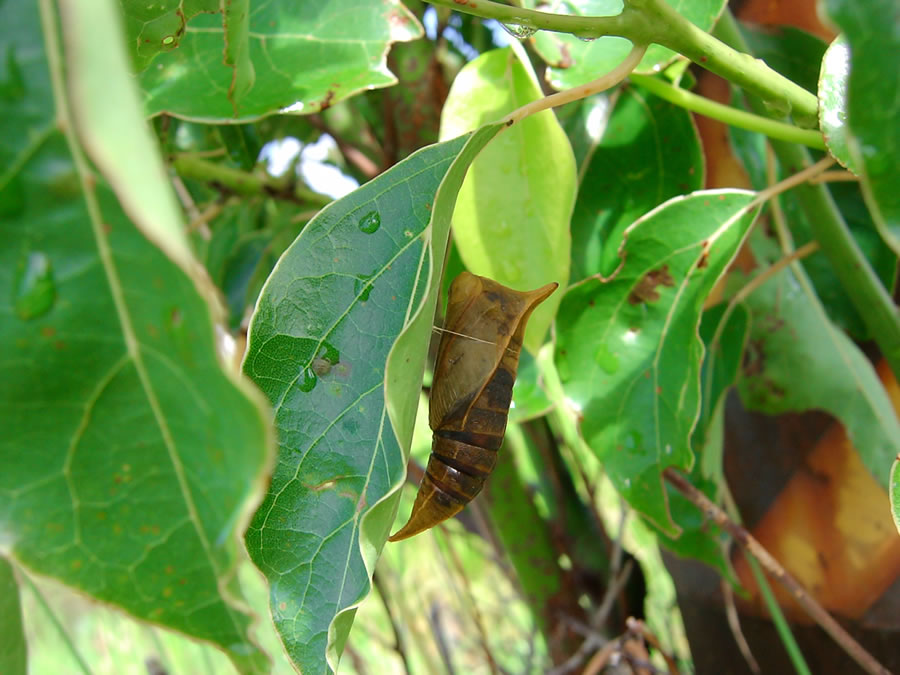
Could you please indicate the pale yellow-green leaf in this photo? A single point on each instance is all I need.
(512, 216)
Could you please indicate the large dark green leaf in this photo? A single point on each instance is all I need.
(574, 61)
(648, 153)
(338, 344)
(628, 352)
(131, 457)
(287, 54)
(872, 108)
(512, 220)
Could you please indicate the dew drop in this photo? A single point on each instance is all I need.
(586, 38)
(370, 222)
(518, 31)
(308, 379)
(606, 359)
(34, 290)
(362, 287)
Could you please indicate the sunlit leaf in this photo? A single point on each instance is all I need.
(628, 352)
(833, 101)
(648, 152)
(131, 457)
(895, 492)
(874, 139)
(325, 346)
(294, 54)
(512, 219)
(574, 61)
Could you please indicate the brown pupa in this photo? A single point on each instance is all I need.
(473, 379)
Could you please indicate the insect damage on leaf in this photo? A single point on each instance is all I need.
(645, 290)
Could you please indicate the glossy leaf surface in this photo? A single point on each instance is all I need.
(648, 152)
(359, 275)
(873, 106)
(512, 220)
(628, 352)
(574, 61)
(131, 456)
(895, 493)
(292, 54)
(833, 101)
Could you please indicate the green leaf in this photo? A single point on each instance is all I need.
(874, 138)
(131, 456)
(895, 493)
(305, 56)
(512, 217)
(724, 348)
(529, 398)
(628, 352)
(648, 153)
(574, 61)
(107, 111)
(833, 101)
(798, 360)
(338, 343)
(751, 149)
(13, 650)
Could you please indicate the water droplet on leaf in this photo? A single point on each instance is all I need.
(362, 287)
(307, 381)
(370, 222)
(586, 38)
(605, 358)
(518, 31)
(34, 290)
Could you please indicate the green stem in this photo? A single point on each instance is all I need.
(244, 183)
(869, 296)
(731, 116)
(654, 21)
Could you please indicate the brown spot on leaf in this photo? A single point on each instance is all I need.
(645, 290)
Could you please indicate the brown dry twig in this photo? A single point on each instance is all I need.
(749, 543)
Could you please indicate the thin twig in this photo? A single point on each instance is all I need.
(399, 647)
(476, 614)
(734, 623)
(835, 177)
(638, 627)
(602, 83)
(593, 639)
(749, 543)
